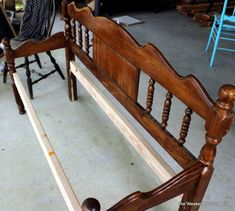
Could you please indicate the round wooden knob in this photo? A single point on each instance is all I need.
(91, 204)
(226, 97)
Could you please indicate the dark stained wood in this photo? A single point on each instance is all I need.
(185, 126)
(192, 199)
(80, 40)
(9, 56)
(116, 62)
(34, 47)
(184, 181)
(221, 117)
(73, 28)
(149, 101)
(109, 40)
(116, 68)
(163, 137)
(91, 204)
(56, 41)
(87, 41)
(166, 110)
(29, 80)
(71, 79)
(147, 58)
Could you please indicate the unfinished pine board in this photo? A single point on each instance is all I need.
(56, 168)
(153, 159)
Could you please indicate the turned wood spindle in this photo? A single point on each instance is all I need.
(150, 94)
(166, 110)
(80, 35)
(73, 32)
(185, 126)
(87, 41)
(91, 204)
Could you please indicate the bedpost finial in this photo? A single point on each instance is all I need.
(91, 204)
(219, 123)
(5, 42)
(64, 4)
(6, 45)
(226, 97)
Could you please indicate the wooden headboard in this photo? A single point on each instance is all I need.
(118, 61)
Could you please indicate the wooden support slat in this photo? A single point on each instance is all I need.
(56, 168)
(154, 160)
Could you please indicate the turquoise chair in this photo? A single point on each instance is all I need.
(223, 28)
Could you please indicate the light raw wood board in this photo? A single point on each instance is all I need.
(153, 159)
(56, 168)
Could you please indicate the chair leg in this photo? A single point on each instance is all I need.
(29, 80)
(55, 65)
(18, 98)
(216, 45)
(38, 60)
(211, 34)
(5, 71)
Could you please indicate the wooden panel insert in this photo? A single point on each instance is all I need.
(119, 70)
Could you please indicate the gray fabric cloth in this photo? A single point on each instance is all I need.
(34, 20)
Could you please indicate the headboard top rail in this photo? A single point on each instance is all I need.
(147, 58)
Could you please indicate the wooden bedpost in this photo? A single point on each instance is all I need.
(218, 126)
(219, 123)
(72, 85)
(11, 66)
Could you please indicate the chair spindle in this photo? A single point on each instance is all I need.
(166, 110)
(185, 126)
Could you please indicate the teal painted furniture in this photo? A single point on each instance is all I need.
(223, 28)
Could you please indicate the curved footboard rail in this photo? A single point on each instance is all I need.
(140, 201)
(179, 184)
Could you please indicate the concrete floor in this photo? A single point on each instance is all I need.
(98, 161)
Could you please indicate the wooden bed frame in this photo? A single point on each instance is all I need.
(117, 60)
